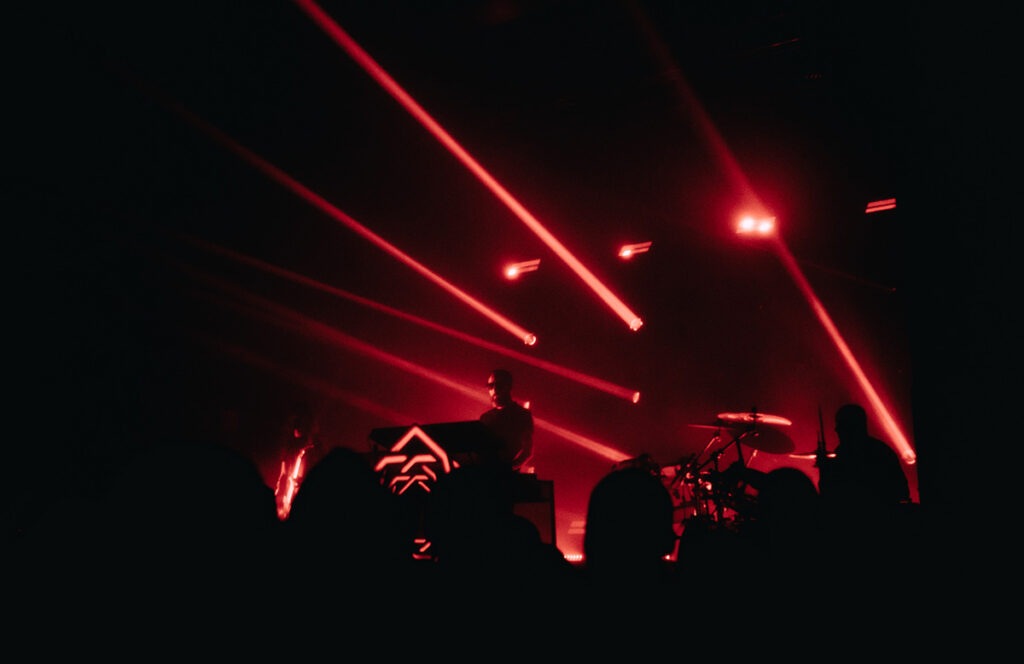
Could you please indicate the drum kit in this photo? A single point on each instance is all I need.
(698, 484)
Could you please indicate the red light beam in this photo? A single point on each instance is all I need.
(699, 118)
(377, 73)
(730, 167)
(301, 379)
(589, 444)
(570, 374)
(341, 217)
(888, 422)
(278, 314)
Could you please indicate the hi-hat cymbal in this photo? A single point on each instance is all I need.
(768, 440)
(754, 418)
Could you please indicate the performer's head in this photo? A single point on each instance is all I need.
(851, 421)
(499, 384)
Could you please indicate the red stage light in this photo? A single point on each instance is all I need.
(878, 206)
(627, 251)
(749, 225)
(513, 270)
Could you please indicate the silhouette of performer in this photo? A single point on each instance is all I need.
(872, 530)
(510, 421)
(865, 496)
(865, 471)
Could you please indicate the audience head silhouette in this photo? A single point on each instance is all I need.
(629, 525)
(786, 518)
(342, 511)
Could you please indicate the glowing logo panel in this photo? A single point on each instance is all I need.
(413, 462)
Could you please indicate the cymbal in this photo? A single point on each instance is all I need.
(772, 441)
(755, 418)
(810, 455)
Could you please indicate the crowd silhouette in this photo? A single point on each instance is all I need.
(196, 524)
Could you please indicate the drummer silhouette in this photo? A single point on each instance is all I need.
(864, 474)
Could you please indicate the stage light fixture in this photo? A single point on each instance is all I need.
(627, 251)
(750, 225)
(878, 206)
(513, 270)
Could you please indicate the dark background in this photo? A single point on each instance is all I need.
(126, 331)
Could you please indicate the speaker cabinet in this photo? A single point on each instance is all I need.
(535, 500)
